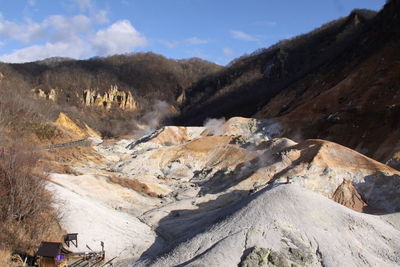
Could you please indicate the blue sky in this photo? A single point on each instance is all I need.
(215, 30)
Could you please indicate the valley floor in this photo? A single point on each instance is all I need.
(196, 196)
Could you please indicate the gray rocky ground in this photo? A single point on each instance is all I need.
(230, 193)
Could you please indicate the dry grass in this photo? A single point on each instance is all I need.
(133, 184)
(26, 213)
(5, 258)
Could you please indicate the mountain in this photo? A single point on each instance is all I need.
(339, 82)
(106, 93)
(301, 182)
(145, 75)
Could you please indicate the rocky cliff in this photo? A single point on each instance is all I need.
(111, 98)
(49, 95)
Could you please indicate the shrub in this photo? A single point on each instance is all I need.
(43, 130)
(26, 213)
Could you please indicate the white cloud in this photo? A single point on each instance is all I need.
(169, 44)
(120, 37)
(75, 49)
(242, 36)
(228, 52)
(55, 27)
(101, 16)
(61, 28)
(31, 2)
(196, 41)
(84, 4)
(31, 31)
(69, 37)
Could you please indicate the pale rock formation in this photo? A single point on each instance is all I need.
(170, 135)
(322, 166)
(92, 211)
(288, 226)
(251, 130)
(1, 76)
(50, 95)
(112, 98)
(181, 98)
(224, 163)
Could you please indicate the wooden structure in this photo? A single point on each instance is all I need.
(51, 254)
(71, 239)
(54, 254)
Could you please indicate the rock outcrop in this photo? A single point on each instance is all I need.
(169, 136)
(78, 129)
(394, 161)
(112, 98)
(49, 95)
(347, 195)
(201, 164)
(322, 166)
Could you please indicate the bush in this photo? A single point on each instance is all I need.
(44, 130)
(26, 213)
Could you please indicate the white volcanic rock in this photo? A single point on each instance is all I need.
(169, 135)
(296, 226)
(221, 164)
(182, 163)
(322, 166)
(181, 181)
(100, 189)
(251, 130)
(124, 236)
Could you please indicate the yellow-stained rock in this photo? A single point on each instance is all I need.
(91, 132)
(78, 128)
(64, 121)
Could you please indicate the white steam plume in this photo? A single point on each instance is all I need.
(152, 119)
(214, 126)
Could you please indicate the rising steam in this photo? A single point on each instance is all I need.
(152, 120)
(215, 126)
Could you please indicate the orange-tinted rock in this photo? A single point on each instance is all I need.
(347, 195)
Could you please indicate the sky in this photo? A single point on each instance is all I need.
(214, 30)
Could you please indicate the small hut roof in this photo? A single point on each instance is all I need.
(49, 249)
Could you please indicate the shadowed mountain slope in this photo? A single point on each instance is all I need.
(146, 75)
(339, 82)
